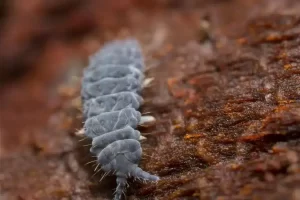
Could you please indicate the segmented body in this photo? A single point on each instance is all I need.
(111, 88)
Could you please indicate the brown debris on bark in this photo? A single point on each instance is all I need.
(226, 96)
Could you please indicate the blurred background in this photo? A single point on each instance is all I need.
(44, 46)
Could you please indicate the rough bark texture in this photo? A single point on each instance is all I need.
(226, 97)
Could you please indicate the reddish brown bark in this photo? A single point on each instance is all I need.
(226, 97)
